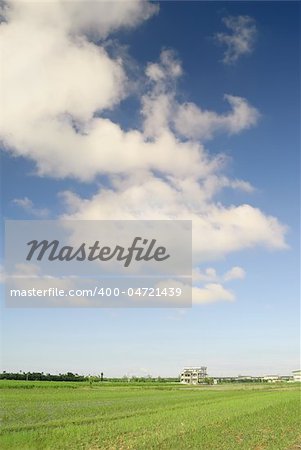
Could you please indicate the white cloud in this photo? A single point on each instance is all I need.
(193, 122)
(240, 39)
(236, 273)
(55, 91)
(217, 230)
(169, 68)
(209, 275)
(211, 293)
(162, 111)
(95, 19)
(28, 206)
(57, 83)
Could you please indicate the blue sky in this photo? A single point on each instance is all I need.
(257, 332)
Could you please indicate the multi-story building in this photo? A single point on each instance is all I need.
(193, 375)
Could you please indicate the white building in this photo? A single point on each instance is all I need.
(271, 378)
(296, 375)
(193, 375)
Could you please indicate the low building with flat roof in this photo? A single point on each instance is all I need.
(271, 378)
(296, 375)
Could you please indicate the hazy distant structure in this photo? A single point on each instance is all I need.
(193, 375)
(297, 375)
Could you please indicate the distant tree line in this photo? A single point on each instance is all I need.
(41, 376)
(69, 376)
(148, 378)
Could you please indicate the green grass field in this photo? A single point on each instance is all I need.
(58, 415)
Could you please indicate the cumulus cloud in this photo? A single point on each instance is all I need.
(236, 273)
(217, 230)
(94, 19)
(191, 121)
(55, 91)
(211, 293)
(58, 82)
(27, 205)
(209, 275)
(161, 110)
(240, 39)
(167, 69)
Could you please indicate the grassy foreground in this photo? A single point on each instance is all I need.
(58, 415)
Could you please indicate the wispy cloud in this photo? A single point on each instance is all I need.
(211, 293)
(191, 121)
(210, 275)
(27, 205)
(236, 273)
(240, 39)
